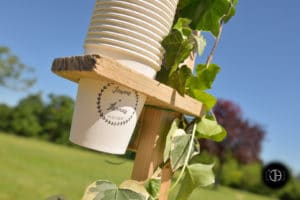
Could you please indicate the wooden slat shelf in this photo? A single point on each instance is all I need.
(96, 67)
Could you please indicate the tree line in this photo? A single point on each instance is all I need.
(33, 117)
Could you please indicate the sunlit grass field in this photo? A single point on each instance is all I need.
(34, 170)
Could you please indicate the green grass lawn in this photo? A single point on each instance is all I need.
(34, 170)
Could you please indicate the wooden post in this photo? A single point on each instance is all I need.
(166, 179)
(155, 124)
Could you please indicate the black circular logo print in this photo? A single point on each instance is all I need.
(116, 104)
(275, 175)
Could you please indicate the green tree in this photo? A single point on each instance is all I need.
(26, 116)
(57, 118)
(231, 173)
(243, 140)
(291, 191)
(13, 73)
(251, 178)
(5, 117)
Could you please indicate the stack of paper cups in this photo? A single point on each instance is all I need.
(129, 31)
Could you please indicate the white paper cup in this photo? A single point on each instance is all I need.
(129, 42)
(133, 60)
(120, 27)
(105, 116)
(146, 18)
(103, 21)
(171, 4)
(133, 20)
(127, 45)
(130, 32)
(163, 6)
(167, 14)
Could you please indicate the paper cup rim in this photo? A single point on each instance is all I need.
(171, 5)
(152, 64)
(126, 38)
(125, 45)
(122, 24)
(135, 16)
(136, 23)
(168, 14)
(159, 3)
(137, 8)
(122, 30)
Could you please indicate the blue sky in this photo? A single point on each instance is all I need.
(258, 53)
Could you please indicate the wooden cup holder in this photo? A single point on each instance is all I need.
(154, 123)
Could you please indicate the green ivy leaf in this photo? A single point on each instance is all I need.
(177, 45)
(105, 190)
(174, 127)
(97, 189)
(183, 3)
(163, 75)
(179, 150)
(209, 128)
(123, 194)
(153, 186)
(200, 43)
(231, 12)
(196, 85)
(135, 186)
(177, 50)
(207, 15)
(205, 77)
(178, 79)
(182, 26)
(195, 175)
(207, 74)
(207, 99)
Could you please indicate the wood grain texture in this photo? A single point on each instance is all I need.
(153, 129)
(98, 67)
(166, 181)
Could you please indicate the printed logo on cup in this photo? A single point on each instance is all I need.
(116, 104)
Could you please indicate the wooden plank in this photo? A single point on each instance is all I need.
(154, 127)
(97, 67)
(166, 181)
